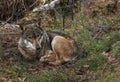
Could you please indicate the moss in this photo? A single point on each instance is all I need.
(97, 62)
(116, 49)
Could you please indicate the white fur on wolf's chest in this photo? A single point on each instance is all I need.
(27, 44)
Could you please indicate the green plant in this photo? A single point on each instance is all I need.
(97, 62)
(116, 49)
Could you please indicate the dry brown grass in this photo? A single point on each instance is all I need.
(13, 9)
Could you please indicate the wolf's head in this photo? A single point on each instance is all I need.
(31, 40)
(31, 36)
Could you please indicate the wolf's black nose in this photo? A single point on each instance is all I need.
(37, 48)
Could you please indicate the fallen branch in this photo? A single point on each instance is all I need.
(48, 6)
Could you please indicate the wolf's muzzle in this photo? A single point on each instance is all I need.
(37, 48)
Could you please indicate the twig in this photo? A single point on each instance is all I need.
(9, 33)
(103, 70)
(33, 3)
(98, 34)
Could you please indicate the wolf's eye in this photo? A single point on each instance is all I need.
(29, 37)
(37, 35)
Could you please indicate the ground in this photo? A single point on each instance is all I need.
(98, 41)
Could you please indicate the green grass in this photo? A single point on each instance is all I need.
(95, 61)
(116, 49)
(92, 65)
(111, 77)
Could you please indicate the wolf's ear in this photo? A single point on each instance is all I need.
(22, 28)
(39, 26)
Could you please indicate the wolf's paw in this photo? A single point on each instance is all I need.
(44, 58)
